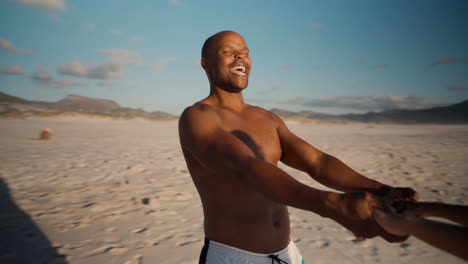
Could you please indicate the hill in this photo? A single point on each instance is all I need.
(452, 114)
(11, 106)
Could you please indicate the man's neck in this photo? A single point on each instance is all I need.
(233, 101)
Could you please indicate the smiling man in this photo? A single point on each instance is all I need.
(232, 150)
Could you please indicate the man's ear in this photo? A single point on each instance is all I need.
(204, 63)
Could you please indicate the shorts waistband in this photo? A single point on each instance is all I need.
(233, 251)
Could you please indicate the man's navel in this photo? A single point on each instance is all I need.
(276, 220)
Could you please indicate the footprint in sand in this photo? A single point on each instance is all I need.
(322, 243)
(111, 229)
(138, 260)
(96, 207)
(140, 230)
(186, 242)
(115, 250)
(162, 238)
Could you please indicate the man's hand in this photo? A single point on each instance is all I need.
(392, 222)
(402, 194)
(355, 213)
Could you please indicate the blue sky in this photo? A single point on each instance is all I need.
(324, 56)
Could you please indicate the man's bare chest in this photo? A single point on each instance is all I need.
(257, 132)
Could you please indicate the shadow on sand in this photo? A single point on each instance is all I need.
(21, 240)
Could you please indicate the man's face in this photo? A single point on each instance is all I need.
(228, 63)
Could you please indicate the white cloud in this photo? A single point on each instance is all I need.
(53, 5)
(175, 2)
(450, 60)
(89, 27)
(381, 66)
(135, 38)
(117, 32)
(106, 84)
(101, 71)
(375, 103)
(129, 38)
(67, 83)
(11, 69)
(106, 70)
(161, 63)
(43, 78)
(258, 100)
(316, 25)
(7, 45)
(124, 57)
(112, 68)
(360, 62)
(42, 75)
(266, 92)
(49, 7)
(458, 87)
(74, 68)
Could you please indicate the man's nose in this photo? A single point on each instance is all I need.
(240, 55)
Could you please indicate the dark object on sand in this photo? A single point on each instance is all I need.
(46, 134)
(145, 200)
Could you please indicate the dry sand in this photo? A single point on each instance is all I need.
(104, 191)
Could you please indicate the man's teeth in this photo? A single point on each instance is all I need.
(241, 68)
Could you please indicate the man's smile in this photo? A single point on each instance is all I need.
(238, 70)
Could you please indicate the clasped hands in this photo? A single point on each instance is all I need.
(356, 211)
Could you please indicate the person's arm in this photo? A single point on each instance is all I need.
(329, 170)
(451, 238)
(202, 135)
(454, 212)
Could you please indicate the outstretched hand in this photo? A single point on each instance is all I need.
(356, 215)
(391, 222)
(402, 194)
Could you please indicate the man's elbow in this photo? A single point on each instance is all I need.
(318, 168)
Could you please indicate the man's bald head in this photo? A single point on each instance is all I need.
(225, 59)
(209, 42)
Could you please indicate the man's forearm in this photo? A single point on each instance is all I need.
(280, 187)
(337, 175)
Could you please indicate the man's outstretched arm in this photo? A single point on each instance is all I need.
(202, 135)
(329, 170)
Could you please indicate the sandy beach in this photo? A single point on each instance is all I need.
(118, 191)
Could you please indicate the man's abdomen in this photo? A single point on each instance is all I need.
(259, 228)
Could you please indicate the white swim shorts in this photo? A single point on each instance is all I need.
(217, 253)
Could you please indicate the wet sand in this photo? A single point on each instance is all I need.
(118, 191)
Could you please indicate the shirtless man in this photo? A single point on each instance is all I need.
(232, 150)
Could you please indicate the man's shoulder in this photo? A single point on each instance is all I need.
(265, 113)
(198, 114)
(198, 109)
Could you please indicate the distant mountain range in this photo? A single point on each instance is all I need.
(452, 114)
(11, 106)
